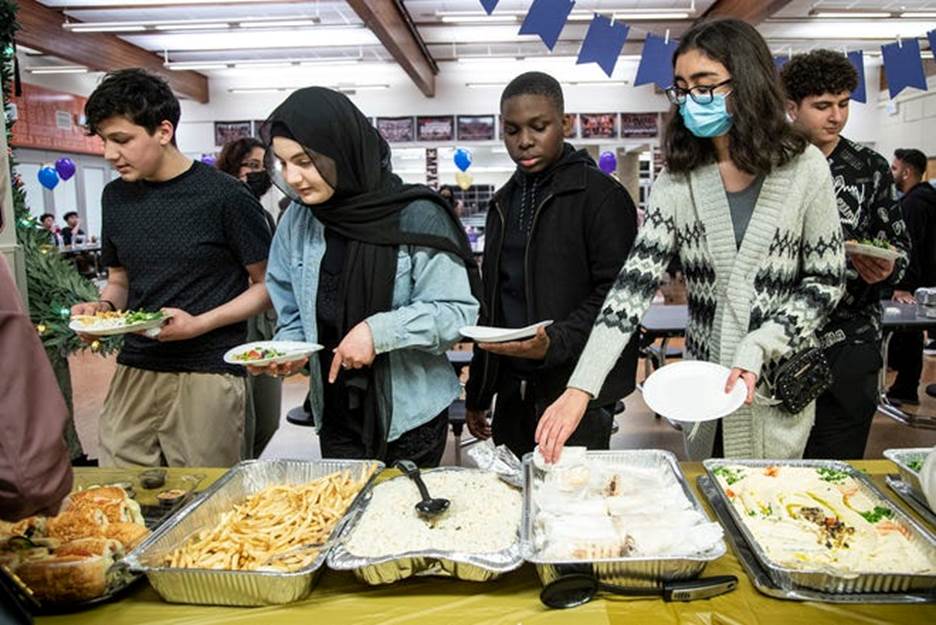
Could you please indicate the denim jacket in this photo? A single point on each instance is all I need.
(432, 301)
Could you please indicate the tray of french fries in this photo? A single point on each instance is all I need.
(258, 536)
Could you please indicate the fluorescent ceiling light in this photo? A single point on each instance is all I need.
(922, 15)
(343, 88)
(61, 69)
(103, 27)
(635, 15)
(204, 24)
(193, 26)
(594, 83)
(514, 13)
(183, 66)
(261, 89)
(868, 15)
(479, 18)
(284, 23)
(332, 61)
(483, 85)
(261, 64)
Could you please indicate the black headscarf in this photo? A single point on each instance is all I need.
(372, 208)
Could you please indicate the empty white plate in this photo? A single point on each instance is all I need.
(692, 390)
(489, 334)
(288, 351)
(863, 249)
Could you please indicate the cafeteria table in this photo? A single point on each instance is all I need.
(512, 600)
(899, 316)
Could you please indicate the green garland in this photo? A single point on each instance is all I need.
(53, 283)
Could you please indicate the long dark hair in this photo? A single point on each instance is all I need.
(760, 136)
(234, 152)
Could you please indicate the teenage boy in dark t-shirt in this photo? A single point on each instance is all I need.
(184, 238)
(557, 234)
(819, 87)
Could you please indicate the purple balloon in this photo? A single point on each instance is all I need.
(607, 162)
(65, 168)
(48, 178)
(209, 159)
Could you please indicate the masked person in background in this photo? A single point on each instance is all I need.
(244, 159)
(747, 206)
(378, 272)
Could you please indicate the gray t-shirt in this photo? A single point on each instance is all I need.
(741, 203)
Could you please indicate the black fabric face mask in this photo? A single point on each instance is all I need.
(259, 183)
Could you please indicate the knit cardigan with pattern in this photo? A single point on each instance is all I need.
(748, 307)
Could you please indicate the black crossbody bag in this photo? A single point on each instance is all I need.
(801, 379)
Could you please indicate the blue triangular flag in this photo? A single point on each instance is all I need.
(904, 66)
(489, 5)
(931, 35)
(546, 19)
(603, 43)
(780, 61)
(656, 62)
(856, 58)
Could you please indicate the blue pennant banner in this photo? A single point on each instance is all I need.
(904, 66)
(546, 19)
(656, 62)
(603, 43)
(489, 5)
(856, 58)
(931, 35)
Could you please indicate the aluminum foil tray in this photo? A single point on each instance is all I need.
(830, 581)
(392, 568)
(631, 572)
(901, 457)
(902, 490)
(239, 588)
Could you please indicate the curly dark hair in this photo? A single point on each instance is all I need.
(760, 136)
(233, 153)
(143, 98)
(818, 72)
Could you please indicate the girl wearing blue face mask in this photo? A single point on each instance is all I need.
(747, 205)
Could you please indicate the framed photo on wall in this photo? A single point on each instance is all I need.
(397, 129)
(599, 125)
(475, 127)
(573, 131)
(438, 128)
(640, 125)
(225, 132)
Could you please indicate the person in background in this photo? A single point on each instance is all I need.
(918, 207)
(556, 236)
(378, 272)
(244, 159)
(181, 237)
(446, 194)
(47, 220)
(748, 207)
(818, 88)
(35, 475)
(73, 229)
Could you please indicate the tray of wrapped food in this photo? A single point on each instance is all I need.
(909, 462)
(71, 561)
(475, 539)
(257, 536)
(627, 518)
(822, 525)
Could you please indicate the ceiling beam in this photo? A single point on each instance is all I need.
(396, 31)
(751, 12)
(41, 28)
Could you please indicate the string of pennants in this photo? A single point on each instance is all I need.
(605, 39)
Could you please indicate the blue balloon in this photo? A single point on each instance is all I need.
(462, 159)
(48, 177)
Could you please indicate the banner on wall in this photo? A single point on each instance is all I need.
(397, 129)
(599, 125)
(475, 127)
(572, 132)
(437, 128)
(225, 132)
(640, 125)
(432, 167)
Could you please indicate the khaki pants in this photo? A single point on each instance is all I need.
(151, 418)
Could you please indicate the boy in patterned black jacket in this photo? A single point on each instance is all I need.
(819, 87)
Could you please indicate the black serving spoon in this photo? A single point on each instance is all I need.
(428, 507)
(569, 591)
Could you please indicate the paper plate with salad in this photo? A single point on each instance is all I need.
(871, 247)
(118, 322)
(259, 353)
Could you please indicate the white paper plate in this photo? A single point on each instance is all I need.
(489, 334)
(292, 350)
(863, 249)
(111, 330)
(692, 391)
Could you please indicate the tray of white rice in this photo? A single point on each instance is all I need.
(626, 517)
(476, 539)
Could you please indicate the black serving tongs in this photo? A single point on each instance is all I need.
(575, 589)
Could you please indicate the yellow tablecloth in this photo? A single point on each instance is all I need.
(511, 600)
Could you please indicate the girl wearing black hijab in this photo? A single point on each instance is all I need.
(377, 271)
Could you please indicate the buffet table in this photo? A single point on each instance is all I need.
(513, 599)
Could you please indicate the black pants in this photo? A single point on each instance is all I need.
(516, 417)
(424, 445)
(844, 412)
(905, 355)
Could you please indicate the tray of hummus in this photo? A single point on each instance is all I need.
(823, 525)
(909, 462)
(118, 322)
